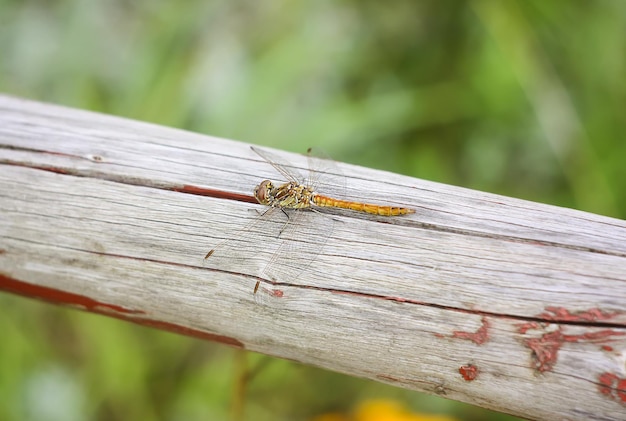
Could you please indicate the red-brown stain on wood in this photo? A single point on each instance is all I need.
(468, 372)
(545, 349)
(67, 298)
(183, 330)
(479, 337)
(50, 168)
(220, 194)
(386, 377)
(563, 315)
(60, 297)
(613, 386)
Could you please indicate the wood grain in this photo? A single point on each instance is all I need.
(511, 305)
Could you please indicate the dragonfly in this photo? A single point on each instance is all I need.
(291, 221)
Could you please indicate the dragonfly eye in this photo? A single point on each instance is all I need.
(262, 191)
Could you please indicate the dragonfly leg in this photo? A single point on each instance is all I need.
(286, 222)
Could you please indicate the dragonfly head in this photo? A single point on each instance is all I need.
(263, 191)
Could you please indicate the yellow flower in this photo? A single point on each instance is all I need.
(382, 410)
(388, 410)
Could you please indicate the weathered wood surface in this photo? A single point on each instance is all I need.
(503, 303)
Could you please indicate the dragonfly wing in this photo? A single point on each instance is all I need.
(247, 249)
(325, 176)
(302, 240)
(282, 166)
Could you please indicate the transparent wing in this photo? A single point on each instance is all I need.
(325, 177)
(302, 240)
(282, 166)
(276, 246)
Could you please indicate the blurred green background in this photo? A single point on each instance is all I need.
(521, 98)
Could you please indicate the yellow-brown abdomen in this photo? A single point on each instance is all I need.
(329, 202)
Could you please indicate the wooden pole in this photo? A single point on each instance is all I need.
(511, 305)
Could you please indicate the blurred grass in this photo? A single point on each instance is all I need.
(522, 98)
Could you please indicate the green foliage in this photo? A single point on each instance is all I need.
(522, 98)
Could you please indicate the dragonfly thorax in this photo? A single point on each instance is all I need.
(288, 195)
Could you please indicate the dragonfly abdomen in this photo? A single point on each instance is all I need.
(329, 202)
